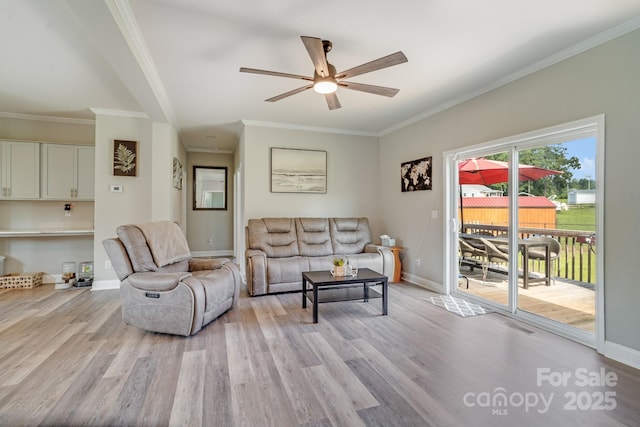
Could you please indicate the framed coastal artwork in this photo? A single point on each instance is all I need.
(298, 171)
(415, 175)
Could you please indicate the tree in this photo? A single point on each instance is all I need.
(549, 157)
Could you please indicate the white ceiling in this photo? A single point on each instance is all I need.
(178, 60)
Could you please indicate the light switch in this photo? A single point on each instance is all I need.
(434, 214)
(117, 188)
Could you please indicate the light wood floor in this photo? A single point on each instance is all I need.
(67, 359)
(564, 301)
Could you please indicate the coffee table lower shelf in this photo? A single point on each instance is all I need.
(323, 287)
(347, 293)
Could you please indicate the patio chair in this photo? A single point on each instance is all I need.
(539, 253)
(494, 255)
(469, 251)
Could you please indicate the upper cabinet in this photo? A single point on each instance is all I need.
(68, 172)
(19, 170)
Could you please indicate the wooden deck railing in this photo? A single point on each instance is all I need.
(577, 259)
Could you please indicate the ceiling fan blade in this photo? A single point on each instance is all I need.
(316, 52)
(378, 64)
(274, 73)
(286, 94)
(377, 90)
(332, 101)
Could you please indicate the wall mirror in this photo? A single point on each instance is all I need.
(209, 188)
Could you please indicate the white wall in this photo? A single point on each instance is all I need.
(167, 202)
(601, 80)
(72, 132)
(46, 254)
(216, 225)
(133, 204)
(353, 175)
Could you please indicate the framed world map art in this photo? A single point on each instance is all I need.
(415, 175)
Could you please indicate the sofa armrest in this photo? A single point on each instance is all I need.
(154, 281)
(199, 264)
(372, 247)
(388, 260)
(256, 271)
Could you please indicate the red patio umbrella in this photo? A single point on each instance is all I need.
(483, 171)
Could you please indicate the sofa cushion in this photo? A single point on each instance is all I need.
(349, 235)
(313, 236)
(137, 248)
(166, 241)
(119, 258)
(286, 270)
(219, 286)
(276, 237)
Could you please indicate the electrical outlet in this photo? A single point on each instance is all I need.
(107, 264)
(210, 241)
(418, 261)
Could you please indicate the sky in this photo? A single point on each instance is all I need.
(585, 150)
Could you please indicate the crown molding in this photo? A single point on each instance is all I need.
(581, 47)
(54, 119)
(207, 150)
(119, 113)
(126, 22)
(307, 128)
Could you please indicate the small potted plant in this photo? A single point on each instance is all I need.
(338, 266)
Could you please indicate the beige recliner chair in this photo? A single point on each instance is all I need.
(162, 288)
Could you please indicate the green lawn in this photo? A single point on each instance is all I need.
(580, 217)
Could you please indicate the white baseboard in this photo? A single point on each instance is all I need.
(223, 253)
(101, 285)
(425, 283)
(622, 354)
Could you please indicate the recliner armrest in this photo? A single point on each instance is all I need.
(154, 281)
(199, 264)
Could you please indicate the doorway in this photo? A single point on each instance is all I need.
(525, 235)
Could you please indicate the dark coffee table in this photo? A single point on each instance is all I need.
(324, 280)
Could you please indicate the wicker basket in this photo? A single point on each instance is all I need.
(20, 280)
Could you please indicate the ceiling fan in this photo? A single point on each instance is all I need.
(326, 81)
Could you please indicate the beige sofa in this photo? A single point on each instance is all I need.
(279, 250)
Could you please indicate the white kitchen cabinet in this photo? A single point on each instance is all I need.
(68, 172)
(19, 170)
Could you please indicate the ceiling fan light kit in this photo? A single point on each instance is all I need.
(325, 85)
(326, 80)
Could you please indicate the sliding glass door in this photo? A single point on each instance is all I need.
(523, 227)
(557, 224)
(483, 215)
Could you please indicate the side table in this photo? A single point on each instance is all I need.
(397, 271)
